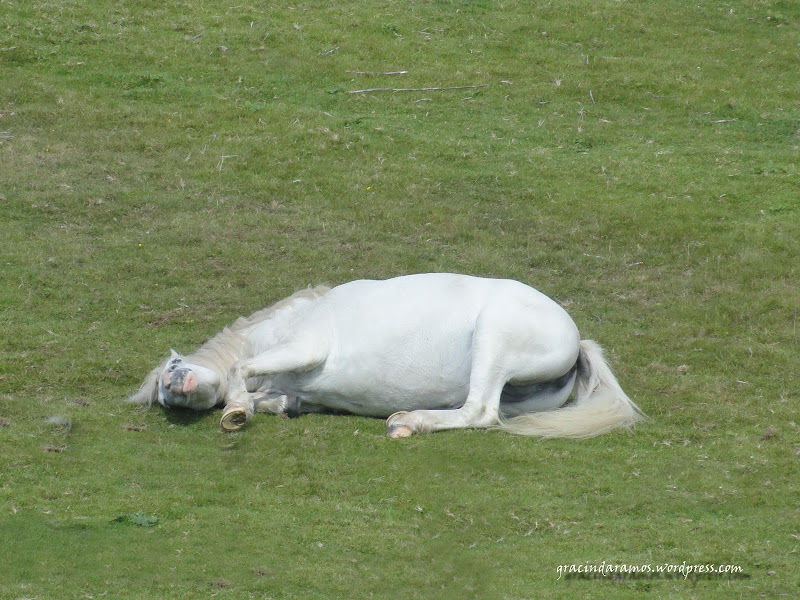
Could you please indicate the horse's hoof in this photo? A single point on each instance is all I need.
(397, 430)
(233, 419)
(400, 431)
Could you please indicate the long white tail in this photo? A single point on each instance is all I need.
(600, 405)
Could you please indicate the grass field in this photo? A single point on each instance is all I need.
(167, 167)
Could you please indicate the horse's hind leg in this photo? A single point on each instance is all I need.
(488, 375)
(294, 357)
(505, 349)
(481, 409)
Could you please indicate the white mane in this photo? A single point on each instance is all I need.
(229, 345)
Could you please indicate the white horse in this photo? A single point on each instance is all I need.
(430, 352)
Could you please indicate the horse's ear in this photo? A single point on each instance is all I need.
(148, 391)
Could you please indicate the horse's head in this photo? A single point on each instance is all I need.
(186, 385)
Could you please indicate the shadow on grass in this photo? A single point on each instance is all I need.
(185, 417)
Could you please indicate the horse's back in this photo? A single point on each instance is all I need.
(429, 311)
(433, 293)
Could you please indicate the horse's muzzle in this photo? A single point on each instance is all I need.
(180, 381)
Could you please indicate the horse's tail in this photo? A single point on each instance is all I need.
(600, 405)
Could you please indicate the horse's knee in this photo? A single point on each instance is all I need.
(238, 371)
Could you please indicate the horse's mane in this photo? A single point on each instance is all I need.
(229, 345)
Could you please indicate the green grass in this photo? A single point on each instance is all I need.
(168, 167)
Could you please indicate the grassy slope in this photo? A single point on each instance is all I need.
(173, 166)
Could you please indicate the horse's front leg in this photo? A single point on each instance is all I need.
(295, 357)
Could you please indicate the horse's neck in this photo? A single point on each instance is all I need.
(263, 336)
(222, 351)
(272, 326)
(252, 335)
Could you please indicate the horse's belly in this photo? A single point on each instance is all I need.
(381, 383)
(380, 403)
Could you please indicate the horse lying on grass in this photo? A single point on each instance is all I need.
(430, 352)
